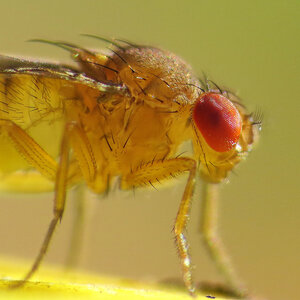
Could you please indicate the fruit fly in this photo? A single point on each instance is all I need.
(122, 115)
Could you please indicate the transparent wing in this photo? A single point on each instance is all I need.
(38, 97)
(33, 96)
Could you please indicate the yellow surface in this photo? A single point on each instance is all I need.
(52, 283)
(25, 182)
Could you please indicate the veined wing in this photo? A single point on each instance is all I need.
(11, 65)
(33, 96)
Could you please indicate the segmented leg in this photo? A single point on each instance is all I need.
(180, 227)
(77, 227)
(157, 171)
(36, 156)
(212, 241)
(44, 163)
(83, 151)
(85, 158)
(59, 204)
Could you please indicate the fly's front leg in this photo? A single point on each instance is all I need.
(212, 241)
(180, 227)
(157, 171)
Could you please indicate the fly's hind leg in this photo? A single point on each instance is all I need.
(59, 202)
(75, 137)
(212, 241)
(77, 233)
(157, 171)
(47, 166)
(35, 155)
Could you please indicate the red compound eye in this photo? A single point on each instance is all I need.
(218, 121)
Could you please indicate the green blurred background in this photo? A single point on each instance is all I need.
(252, 47)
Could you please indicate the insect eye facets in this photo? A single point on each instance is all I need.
(218, 120)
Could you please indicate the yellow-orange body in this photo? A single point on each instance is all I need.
(120, 116)
(125, 131)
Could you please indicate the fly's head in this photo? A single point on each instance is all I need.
(223, 133)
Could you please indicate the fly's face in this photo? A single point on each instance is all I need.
(223, 133)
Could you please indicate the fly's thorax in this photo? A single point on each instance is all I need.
(153, 75)
(223, 134)
(127, 136)
(152, 121)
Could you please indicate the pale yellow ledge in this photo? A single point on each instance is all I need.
(52, 283)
